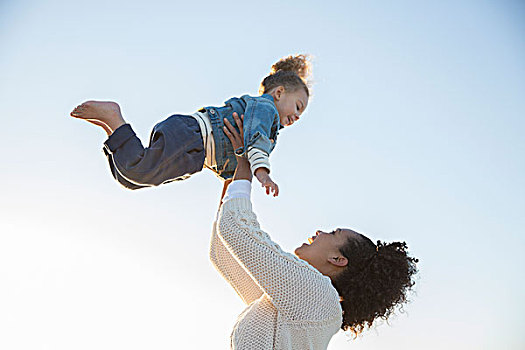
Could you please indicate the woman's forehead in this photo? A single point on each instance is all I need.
(351, 234)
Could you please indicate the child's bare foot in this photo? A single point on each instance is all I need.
(106, 112)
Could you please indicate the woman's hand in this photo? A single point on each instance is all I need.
(236, 138)
(243, 171)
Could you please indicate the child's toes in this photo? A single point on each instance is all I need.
(77, 112)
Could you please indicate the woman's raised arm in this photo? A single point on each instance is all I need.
(242, 172)
(220, 256)
(292, 285)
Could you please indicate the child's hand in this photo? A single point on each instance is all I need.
(263, 176)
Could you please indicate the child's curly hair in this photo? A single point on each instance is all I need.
(375, 282)
(292, 72)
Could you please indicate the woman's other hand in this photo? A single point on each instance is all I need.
(236, 137)
(243, 171)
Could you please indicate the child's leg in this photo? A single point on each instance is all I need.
(104, 114)
(92, 109)
(117, 176)
(175, 151)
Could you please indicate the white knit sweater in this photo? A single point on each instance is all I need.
(291, 305)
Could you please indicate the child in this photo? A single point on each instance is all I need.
(182, 145)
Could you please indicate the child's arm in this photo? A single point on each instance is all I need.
(260, 118)
(257, 159)
(261, 124)
(260, 166)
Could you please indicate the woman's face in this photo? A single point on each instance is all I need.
(322, 249)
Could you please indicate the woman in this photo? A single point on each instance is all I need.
(339, 280)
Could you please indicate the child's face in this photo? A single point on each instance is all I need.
(290, 105)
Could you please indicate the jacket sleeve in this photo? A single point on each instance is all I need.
(257, 159)
(259, 119)
(292, 284)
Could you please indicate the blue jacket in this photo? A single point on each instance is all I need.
(261, 127)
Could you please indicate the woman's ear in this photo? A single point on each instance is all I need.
(339, 261)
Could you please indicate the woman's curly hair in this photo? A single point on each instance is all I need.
(375, 282)
(292, 72)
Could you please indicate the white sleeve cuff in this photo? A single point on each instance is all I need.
(258, 159)
(238, 189)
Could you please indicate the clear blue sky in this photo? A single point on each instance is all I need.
(414, 132)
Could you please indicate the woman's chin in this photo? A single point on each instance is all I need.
(299, 249)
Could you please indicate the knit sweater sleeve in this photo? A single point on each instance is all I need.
(292, 285)
(232, 271)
